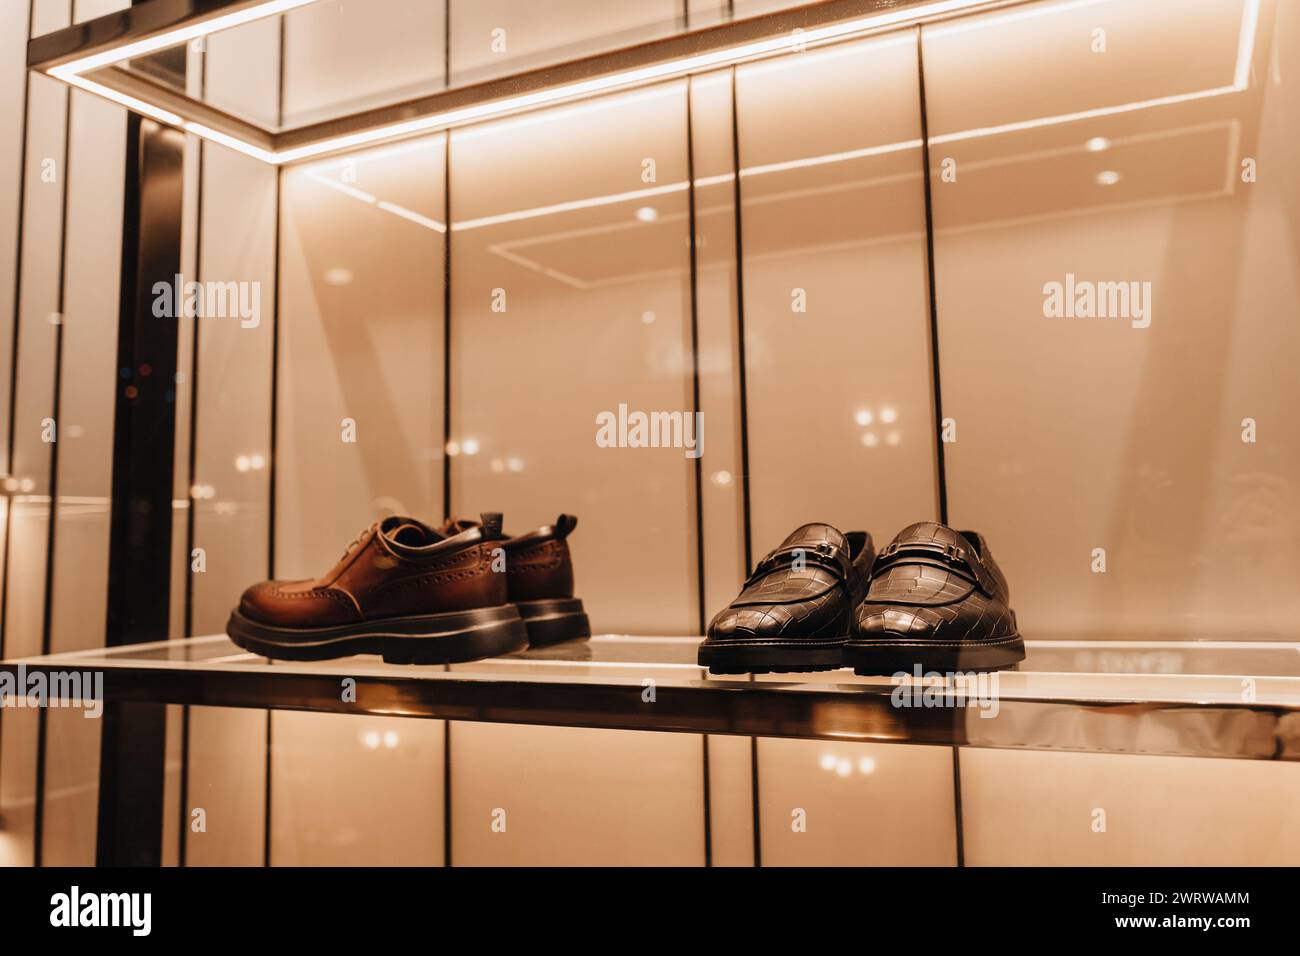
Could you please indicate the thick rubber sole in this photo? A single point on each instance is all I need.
(772, 657)
(448, 638)
(553, 621)
(875, 658)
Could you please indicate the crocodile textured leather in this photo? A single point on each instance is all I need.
(800, 596)
(937, 595)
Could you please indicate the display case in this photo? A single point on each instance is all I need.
(284, 270)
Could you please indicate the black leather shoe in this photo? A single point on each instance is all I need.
(937, 599)
(796, 609)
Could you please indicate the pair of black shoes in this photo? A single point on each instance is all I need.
(933, 598)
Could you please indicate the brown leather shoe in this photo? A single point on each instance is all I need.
(402, 590)
(539, 576)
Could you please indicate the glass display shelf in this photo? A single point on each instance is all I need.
(1208, 699)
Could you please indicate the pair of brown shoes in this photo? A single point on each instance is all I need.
(420, 595)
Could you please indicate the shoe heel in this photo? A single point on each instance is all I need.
(553, 621)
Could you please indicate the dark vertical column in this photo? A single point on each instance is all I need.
(132, 755)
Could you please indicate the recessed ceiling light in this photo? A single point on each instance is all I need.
(647, 213)
(1097, 144)
(1107, 177)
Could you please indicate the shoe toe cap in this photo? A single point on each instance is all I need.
(885, 623)
(748, 624)
(294, 604)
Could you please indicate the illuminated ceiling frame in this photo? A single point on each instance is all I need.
(88, 56)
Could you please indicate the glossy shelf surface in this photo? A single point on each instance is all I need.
(1220, 699)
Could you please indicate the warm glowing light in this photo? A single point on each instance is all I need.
(1097, 144)
(411, 216)
(721, 478)
(888, 415)
(130, 102)
(828, 761)
(864, 417)
(866, 765)
(469, 446)
(1107, 177)
(133, 51)
(338, 276)
(647, 214)
(870, 440)
(72, 71)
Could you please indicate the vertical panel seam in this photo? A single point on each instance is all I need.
(14, 332)
(446, 327)
(940, 464)
(446, 436)
(275, 404)
(13, 356)
(693, 244)
(48, 596)
(742, 373)
(190, 517)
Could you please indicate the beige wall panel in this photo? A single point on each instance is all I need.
(342, 56)
(575, 797)
(596, 314)
(496, 37)
(837, 347)
(13, 95)
(1025, 808)
(1124, 434)
(78, 609)
(384, 778)
(71, 819)
(227, 756)
(227, 781)
(92, 270)
(827, 803)
(722, 476)
(361, 340)
(28, 527)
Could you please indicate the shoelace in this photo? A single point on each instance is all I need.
(356, 542)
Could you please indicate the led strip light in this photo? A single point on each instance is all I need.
(74, 73)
